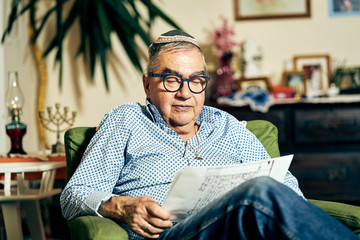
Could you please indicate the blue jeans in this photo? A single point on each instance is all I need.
(261, 208)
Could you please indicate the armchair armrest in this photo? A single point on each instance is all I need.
(349, 215)
(96, 228)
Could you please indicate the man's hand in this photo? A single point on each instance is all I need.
(142, 214)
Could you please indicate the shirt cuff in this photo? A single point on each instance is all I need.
(94, 201)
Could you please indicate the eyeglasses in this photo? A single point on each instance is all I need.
(173, 83)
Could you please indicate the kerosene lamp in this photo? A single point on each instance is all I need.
(14, 100)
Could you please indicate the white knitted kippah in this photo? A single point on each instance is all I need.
(176, 36)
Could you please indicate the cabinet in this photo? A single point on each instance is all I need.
(324, 136)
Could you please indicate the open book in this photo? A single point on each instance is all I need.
(195, 187)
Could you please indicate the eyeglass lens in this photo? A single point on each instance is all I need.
(173, 83)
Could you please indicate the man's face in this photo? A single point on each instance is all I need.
(178, 109)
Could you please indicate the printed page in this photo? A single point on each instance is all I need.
(195, 187)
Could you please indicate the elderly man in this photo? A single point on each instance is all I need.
(131, 161)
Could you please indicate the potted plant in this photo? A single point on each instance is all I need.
(97, 20)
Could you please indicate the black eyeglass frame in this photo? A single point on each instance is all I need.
(163, 76)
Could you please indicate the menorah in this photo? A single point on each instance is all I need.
(57, 119)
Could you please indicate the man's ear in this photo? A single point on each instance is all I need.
(146, 84)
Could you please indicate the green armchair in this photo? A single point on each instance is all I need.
(93, 227)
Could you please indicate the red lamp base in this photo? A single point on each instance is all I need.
(16, 131)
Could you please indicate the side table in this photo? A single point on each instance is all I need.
(10, 199)
(60, 172)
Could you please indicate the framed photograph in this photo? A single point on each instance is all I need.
(261, 82)
(317, 72)
(270, 9)
(347, 78)
(295, 80)
(344, 8)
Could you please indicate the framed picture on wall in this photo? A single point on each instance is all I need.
(344, 8)
(270, 9)
(295, 80)
(317, 72)
(258, 82)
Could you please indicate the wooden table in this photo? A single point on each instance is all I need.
(60, 173)
(11, 198)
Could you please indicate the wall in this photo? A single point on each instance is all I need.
(2, 95)
(279, 39)
(13, 57)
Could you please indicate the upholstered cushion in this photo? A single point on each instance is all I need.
(267, 133)
(96, 228)
(349, 215)
(76, 140)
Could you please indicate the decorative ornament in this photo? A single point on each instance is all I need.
(57, 119)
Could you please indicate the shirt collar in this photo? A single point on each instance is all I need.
(154, 113)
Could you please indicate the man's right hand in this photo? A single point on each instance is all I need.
(142, 214)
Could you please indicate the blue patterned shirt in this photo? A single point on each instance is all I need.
(135, 153)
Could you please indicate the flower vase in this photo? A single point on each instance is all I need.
(224, 84)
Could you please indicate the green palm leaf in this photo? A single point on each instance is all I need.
(97, 20)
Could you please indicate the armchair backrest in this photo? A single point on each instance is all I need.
(267, 133)
(76, 140)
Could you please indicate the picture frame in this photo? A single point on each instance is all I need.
(347, 78)
(262, 82)
(317, 72)
(259, 10)
(295, 80)
(344, 8)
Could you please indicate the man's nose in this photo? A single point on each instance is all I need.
(184, 91)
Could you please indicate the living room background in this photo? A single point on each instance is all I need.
(280, 39)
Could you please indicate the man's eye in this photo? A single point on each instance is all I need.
(197, 81)
(172, 80)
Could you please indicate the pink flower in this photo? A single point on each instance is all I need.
(222, 37)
